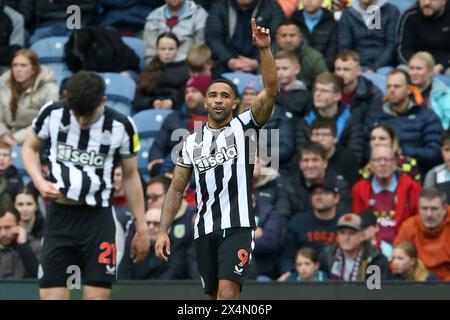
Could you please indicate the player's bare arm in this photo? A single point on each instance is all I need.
(170, 208)
(30, 152)
(134, 194)
(265, 101)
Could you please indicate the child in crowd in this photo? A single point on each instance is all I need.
(407, 266)
(307, 266)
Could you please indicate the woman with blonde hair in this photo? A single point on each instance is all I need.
(24, 90)
(407, 266)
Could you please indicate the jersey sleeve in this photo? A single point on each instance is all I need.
(130, 145)
(248, 120)
(184, 159)
(40, 124)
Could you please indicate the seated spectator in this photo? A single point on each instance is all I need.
(28, 86)
(418, 129)
(349, 258)
(12, 35)
(319, 28)
(293, 96)
(374, 43)
(439, 176)
(266, 183)
(199, 60)
(328, 105)
(407, 266)
(152, 267)
(191, 113)
(228, 29)
(289, 38)
(383, 134)
(425, 28)
(361, 95)
(340, 159)
(31, 219)
(155, 191)
(19, 252)
(8, 171)
(184, 18)
(309, 168)
(393, 198)
(51, 17)
(315, 228)
(161, 83)
(435, 93)
(371, 232)
(81, 52)
(307, 266)
(430, 232)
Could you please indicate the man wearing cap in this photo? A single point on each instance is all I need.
(190, 113)
(349, 258)
(315, 228)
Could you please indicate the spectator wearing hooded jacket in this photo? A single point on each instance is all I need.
(419, 129)
(184, 18)
(375, 44)
(327, 104)
(12, 35)
(435, 94)
(319, 28)
(228, 29)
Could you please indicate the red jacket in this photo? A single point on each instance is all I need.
(407, 193)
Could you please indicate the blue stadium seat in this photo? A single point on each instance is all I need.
(138, 47)
(50, 50)
(120, 91)
(142, 157)
(148, 122)
(242, 79)
(60, 70)
(377, 79)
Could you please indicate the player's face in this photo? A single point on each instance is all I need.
(7, 225)
(287, 71)
(5, 159)
(311, 6)
(348, 70)
(305, 267)
(432, 8)
(324, 137)
(26, 205)
(167, 50)
(432, 212)
(401, 262)
(289, 37)
(220, 102)
(445, 150)
(379, 137)
(312, 166)
(22, 69)
(419, 72)
(349, 239)
(397, 88)
(382, 162)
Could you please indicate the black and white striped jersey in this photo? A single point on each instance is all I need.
(222, 161)
(82, 160)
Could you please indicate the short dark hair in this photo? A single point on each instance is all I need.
(403, 72)
(163, 180)
(315, 148)
(227, 82)
(13, 211)
(346, 55)
(289, 22)
(85, 90)
(169, 35)
(433, 193)
(308, 253)
(324, 123)
(329, 77)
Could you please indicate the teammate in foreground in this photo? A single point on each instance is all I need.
(86, 140)
(222, 155)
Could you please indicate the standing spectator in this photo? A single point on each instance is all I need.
(392, 198)
(184, 18)
(319, 28)
(289, 38)
(8, 171)
(407, 266)
(31, 219)
(315, 228)
(28, 86)
(435, 93)
(430, 232)
(161, 83)
(439, 176)
(12, 35)
(419, 129)
(350, 257)
(307, 266)
(371, 232)
(18, 251)
(328, 104)
(357, 31)
(383, 134)
(361, 95)
(425, 28)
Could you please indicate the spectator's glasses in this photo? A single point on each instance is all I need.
(154, 223)
(381, 159)
(5, 154)
(154, 197)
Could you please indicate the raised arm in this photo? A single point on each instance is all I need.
(265, 101)
(170, 208)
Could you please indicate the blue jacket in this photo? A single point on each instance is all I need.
(125, 12)
(440, 101)
(376, 47)
(419, 131)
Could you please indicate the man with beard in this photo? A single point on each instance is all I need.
(426, 27)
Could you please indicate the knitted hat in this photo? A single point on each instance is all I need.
(200, 82)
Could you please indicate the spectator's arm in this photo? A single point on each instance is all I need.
(270, 241)
(405, 38)
(18, 34)
(289, 248)
(29, 259)
(142, 101)
(200, 24)
(150, 36)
